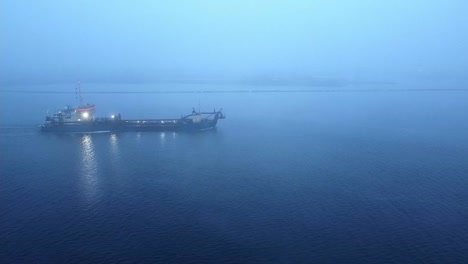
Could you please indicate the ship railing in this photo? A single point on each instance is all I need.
(151, 121)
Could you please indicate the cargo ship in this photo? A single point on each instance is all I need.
(82, 119)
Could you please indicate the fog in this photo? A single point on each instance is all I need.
(169, 46)
(147, 41)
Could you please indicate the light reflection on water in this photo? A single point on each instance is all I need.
(115, 155)
(114, 145)
(88, 168)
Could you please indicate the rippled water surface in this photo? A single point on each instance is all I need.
(294, 178)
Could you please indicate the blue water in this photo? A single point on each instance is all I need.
(376, 177)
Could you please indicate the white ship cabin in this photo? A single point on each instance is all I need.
(79, 114)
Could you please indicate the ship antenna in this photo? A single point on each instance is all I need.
(199, 107)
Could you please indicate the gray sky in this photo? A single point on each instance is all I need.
(142, 40)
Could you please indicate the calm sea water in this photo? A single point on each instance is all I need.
(377, 177)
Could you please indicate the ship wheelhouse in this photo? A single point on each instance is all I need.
(85, 113)
(72, 115)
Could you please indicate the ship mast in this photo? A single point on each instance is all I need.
(79, 94)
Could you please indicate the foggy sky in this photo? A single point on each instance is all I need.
(144, 40)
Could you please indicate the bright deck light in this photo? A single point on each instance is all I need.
(112, 116)
(85, 115)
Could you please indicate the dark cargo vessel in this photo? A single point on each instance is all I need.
(82, 120)
(66, 122)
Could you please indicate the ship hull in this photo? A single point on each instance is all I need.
(129, 126)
